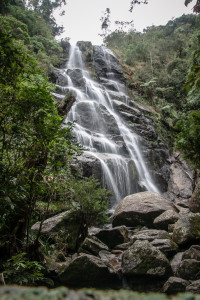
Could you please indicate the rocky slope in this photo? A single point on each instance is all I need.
(152, 245)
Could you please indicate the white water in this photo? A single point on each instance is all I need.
(98, 124)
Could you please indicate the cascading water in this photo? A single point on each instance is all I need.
(101, 130)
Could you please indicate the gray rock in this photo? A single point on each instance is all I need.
(114, 236)
(187, 229)
(144, 259)
(175, 285)
(175, 262)
(192, 253)
(63, 222)
(88, 271)
(140, 209)
(167, 246)
(92, 245)
(150, 235)
(194, 287)
(166, 218)
(189, 269)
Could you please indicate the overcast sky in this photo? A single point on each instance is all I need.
(82, 17)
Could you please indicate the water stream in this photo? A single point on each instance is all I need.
(101, 130)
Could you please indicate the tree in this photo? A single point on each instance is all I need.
(196, 7)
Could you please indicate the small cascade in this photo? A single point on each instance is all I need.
(101, 130)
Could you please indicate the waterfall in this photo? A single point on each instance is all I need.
(100, 128)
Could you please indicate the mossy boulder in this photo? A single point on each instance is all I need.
(144, 259)
(187, 229)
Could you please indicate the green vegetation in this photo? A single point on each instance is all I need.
(156, 63)
(36, 151)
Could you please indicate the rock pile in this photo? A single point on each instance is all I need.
(162, 256)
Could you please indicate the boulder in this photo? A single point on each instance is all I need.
(144, 259)
(187, 229)
(92, 245)
(166, 218)
(167, 246)
(140, 209)
(194, 287)
(64, 223)
(192, 253)
(175, 285)
(114, 236)
(189, 269)
(88, 271)
(175, 262)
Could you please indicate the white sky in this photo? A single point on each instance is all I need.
(82, 17)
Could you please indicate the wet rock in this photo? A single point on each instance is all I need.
(194, 287)
(140, 209)
(114, 236)
(102, 54)
(77, 78)
(187, 229)
(92, 245)
(65, 104)
(175, 285)
(144, 259)
(166, 218)
(189, 269)
(88, 271)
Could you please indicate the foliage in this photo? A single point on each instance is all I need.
(19, 270)
(89, 204)
(188, 138)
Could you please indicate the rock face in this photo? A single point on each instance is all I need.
(175, 285)
(140, 209)
(144, 259)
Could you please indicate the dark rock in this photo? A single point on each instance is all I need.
(88, 271)
(140, 209)
(187, 229)
(194, 287)
(92, 245)
(175, 285)
(144, 259)
(166, 218)
(114, 236)
(192, 253)
(189, 269)
(113, 259)
(101, 54)
(65, 104)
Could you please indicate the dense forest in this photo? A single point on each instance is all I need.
(36, 152)
(162, 65)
